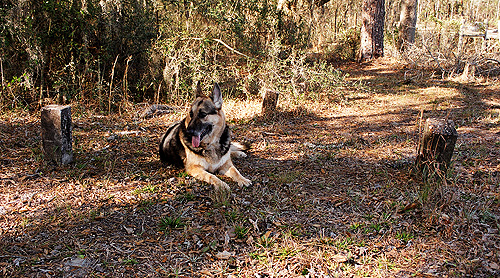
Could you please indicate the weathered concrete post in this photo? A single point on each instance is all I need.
(436, 147)
(56, 134)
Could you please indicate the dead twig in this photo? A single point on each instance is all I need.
(225, 45)
(232, 49)
(443, 71)
(111, 84)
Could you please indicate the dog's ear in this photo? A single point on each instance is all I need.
(216, 96)
(197, 91)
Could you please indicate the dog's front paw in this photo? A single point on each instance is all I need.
(244, 182)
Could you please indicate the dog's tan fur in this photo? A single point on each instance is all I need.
(213, 155)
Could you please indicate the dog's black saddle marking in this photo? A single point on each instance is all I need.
(171, 149)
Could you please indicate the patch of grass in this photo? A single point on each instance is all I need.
(292, 231)
(404, 237)
(487, 216)
(182, 175)
(355, 226)
(211, 246)
(241, 231)
(266, 241)
(362, 273)
(81, 253)
(368, 216)
(258, 256)
(150, 188)
(386, 216)
(144, 204)
(286, 252)
(376, 227)
(175, 272)
(171, 223)
(234, 215)
(356, 142)
(347, 268)
(37, 154)
(93, 214)
(221, 198)
(327, 241)
(343, 243)
(131, 261)
(384, 264)
(186, 197)
(361, 243)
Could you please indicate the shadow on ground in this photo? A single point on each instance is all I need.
(333, 194)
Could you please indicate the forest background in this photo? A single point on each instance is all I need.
(335, 192)
(112, 52)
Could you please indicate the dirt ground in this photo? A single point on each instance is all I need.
(334, 192)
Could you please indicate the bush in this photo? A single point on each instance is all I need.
(106, 54)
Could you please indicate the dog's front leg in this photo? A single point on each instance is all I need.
(229, 170)
(199, 173)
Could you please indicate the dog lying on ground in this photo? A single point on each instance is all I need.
(201, 142)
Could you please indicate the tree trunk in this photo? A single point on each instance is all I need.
(372, 30)
(56, 134)
(407, 23)
(269, 102)
(436, 148)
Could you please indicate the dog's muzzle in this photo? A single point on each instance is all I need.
(197, 135)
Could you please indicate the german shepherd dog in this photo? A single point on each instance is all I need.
(201, 142)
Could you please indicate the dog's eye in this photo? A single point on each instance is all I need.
(202, 115)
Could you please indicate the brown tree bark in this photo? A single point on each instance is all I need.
(269, 102)
(57, 134)
(372, 30)
(407, 23)
(436, 147)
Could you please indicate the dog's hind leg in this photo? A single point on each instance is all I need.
(237, 150)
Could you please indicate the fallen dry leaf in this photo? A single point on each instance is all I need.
(116, 206)
(224, 255)
(339, 258)
(128, 230)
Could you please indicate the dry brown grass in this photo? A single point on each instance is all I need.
(331, 183)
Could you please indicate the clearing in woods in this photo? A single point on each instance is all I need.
(334, 194)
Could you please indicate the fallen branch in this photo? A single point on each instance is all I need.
(232, 49)
(225, 45)
(111, 84)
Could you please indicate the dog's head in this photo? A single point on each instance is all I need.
(206, 120)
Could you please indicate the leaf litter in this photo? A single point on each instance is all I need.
(334, 193)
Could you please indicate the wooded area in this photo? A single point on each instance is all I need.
(372, 129)
(113, 52)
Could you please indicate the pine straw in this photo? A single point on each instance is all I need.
(334, 193)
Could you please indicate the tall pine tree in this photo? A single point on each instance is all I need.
(372, 30)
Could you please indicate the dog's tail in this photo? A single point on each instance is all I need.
(238, 149)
